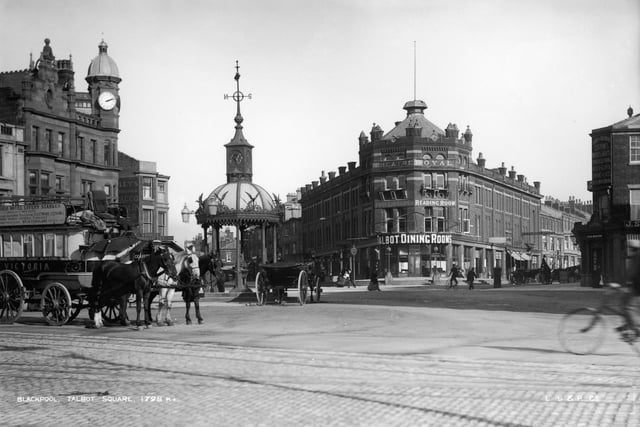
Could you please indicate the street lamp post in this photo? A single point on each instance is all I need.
(212, 210)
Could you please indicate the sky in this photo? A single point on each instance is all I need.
(531, 78)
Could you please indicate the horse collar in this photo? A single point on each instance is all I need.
(145, 270)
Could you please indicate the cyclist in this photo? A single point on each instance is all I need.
(633, 281)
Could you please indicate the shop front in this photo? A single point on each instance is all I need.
(414, 254)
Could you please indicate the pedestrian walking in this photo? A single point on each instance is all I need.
(453, 280)
(348, 280)
(546, 271)
(373, 283)
(471, 276)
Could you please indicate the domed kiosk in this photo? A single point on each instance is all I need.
(239, 202)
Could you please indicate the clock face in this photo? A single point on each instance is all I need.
(236, 157)
(107, 100)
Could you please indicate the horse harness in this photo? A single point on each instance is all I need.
(193, 282)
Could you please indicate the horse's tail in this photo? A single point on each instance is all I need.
(94, 294)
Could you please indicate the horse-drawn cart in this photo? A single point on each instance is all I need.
(58, 293)
(46, 258)
(274, 280)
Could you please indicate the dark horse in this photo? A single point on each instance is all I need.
(212, 264)
(115, 280)
(189, 282)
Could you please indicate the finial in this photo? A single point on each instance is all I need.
(414, 70)
(238, 96)
(630, 111)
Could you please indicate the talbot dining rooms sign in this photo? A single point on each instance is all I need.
(414, 239)
(41, 214)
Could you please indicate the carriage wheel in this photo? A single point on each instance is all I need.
(317, 290)
(261, 289)
(111, 311)
(56, 304)
(303, 285)
(11, 296)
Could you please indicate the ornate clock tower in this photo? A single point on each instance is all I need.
(239, 163)
(103, 79)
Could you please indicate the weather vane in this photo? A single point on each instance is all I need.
(238, 96)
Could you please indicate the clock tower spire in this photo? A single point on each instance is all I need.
(239, 164)
(103, 78)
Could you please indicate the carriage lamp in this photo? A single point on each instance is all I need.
(185, 212)
(212, 207)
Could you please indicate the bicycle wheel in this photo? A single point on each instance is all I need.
(582, 331)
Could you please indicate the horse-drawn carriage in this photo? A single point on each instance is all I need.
(49, 248)
(274, 280)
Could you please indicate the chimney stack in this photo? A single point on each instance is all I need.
(481, 161)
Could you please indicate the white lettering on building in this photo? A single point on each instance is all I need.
(414, 239)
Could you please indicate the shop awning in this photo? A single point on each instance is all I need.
(519, 256)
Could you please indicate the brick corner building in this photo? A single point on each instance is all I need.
(615, 185)
(70, 138)
(418, 203)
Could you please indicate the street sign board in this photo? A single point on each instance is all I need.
(497, 240)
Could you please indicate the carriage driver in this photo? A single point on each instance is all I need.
(166, 289)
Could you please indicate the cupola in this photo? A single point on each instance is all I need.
(103, 65)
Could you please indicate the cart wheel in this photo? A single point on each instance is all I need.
(261, 289)
(56, 304)
(11, 296)
(317, 290)
(76, 308)
(303, 285)
(111, 311)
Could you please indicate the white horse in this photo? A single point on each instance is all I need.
(166, 288)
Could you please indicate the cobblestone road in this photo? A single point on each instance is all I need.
(75, 379)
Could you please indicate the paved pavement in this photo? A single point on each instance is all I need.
(316, 365)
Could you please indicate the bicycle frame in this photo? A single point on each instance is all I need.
(612, 291)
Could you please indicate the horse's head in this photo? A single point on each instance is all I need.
(191, 262)
(167, 262)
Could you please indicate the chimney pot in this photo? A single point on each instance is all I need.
(481, 160)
